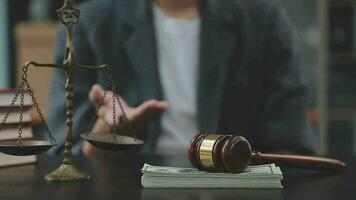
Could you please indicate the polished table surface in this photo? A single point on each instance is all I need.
(117, 176)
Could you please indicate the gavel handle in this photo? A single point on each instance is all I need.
(306, 162)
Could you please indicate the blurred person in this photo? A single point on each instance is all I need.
(40, 10)
(187, 66)
(44, 10)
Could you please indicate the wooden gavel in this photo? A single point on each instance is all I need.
(231, 153)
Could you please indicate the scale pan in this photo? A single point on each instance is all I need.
(107, 142)
(28, 147)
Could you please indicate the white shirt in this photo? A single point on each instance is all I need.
(178, 60)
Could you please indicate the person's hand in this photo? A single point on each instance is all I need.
(137, 116)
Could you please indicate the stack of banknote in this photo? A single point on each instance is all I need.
(261, 176)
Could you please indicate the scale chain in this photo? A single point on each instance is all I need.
(35, 104)
(38, 110)
(19, 88)
(115, 98)
(19, 141)
(114, 125)
(124, 116)
(97, 108)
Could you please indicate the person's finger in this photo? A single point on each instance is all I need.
(148, 110)
(106, 114)
(96, 93)
(122, 100)
(162, 105)
(146, 106)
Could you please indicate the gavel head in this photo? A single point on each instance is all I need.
(220, 153)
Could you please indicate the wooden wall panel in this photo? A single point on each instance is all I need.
(35, 42)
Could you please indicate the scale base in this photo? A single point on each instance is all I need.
(67, 173)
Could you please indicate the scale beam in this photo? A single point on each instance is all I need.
(93, 67)
(43, 65)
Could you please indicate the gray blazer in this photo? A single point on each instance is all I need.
(250, 82)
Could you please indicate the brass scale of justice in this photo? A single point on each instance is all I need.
(67, 171)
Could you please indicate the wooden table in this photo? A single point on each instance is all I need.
(117, 176)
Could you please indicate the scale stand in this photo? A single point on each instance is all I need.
(69, 16)
(66, 172)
